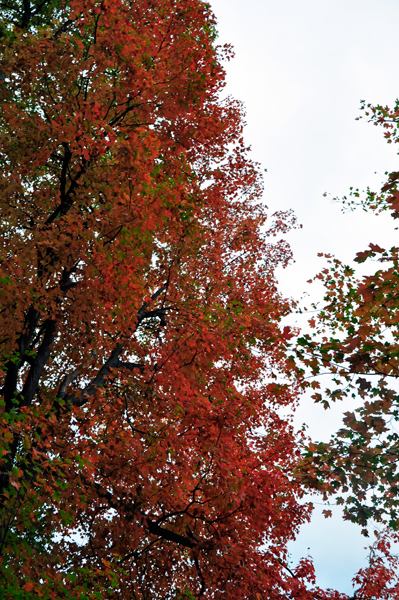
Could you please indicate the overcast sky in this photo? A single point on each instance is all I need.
(301, 69)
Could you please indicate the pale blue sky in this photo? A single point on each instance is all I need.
(301, 68)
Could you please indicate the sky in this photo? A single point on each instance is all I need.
(301, 69)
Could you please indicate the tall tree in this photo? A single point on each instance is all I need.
(143, 454)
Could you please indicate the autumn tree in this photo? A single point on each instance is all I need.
(355, 339)
(143, 454)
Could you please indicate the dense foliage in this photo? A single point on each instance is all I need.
(142, 451)
(144, 363)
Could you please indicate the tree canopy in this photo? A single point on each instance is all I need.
(143, 454)
(145, 365)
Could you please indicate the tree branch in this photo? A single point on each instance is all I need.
(26, 15)
(12, 367)
(128, 365)
(171, 536)
(35, 372)
(66, 382)
(113, 361)
(151, 526)
(64, 27)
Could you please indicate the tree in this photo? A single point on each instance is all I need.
(143, 362)
(356, 340)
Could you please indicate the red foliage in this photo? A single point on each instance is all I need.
(143, 454)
